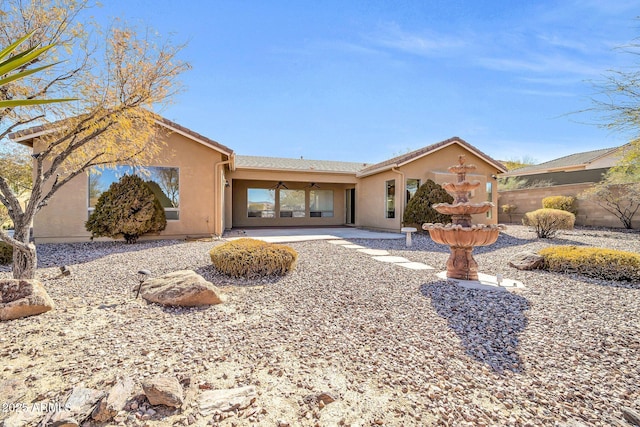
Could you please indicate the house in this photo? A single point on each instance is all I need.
(579, 168)
(206, 188)
(566, 176)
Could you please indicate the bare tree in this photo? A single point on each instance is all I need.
(118, 78)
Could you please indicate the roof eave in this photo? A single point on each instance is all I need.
(377, 170)
(272, 169)
(218, 147)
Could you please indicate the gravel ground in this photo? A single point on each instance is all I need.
(393, 346)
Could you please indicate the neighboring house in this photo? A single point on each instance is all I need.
(565, 176)
(207, 188)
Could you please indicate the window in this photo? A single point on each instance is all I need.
(163, 181)
(391, 198)
(490, 198)
(261, 203)
(321, 203)
(412, 188)
(292, 203)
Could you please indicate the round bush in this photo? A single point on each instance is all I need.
(6, 253)
(564, 203)
(129, 209)
(420, 209)
(601, 263)
(253, 258)
(547, 222)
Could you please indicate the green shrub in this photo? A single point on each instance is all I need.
(601, 263)
(6, 253)
(129, 209)
(547, 222)
(419, 209)
(253, 258)
(563, 203)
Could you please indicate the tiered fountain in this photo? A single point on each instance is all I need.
(461, 235)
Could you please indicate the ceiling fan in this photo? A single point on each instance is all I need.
(279, 185)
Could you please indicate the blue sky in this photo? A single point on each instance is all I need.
(366, 80)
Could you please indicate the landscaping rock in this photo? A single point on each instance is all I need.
(80, 404)
(22, 298)
(631, 416)
(225, 400)
(526, 260)
(163, 390)
(114, 401)
(180, 288)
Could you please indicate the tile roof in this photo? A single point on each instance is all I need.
(572, 160)
(280, 163)
(25, 135)
(416, 154)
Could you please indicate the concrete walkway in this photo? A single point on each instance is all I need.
(294, 234)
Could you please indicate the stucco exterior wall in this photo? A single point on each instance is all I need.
(64, 218)
(372, 189)
(527, 200)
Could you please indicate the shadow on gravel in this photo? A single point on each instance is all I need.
(210, 273)
(488, 323)
(56, 254)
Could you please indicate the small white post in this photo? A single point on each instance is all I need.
(408, 231)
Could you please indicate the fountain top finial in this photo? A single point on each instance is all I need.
(461, 168)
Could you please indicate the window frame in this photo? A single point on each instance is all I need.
(292, 213)
(390, 197)
(135, 170)
(313, 213)
(409, 195)
(273, 211)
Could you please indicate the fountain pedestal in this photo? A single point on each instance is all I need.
(461, 235)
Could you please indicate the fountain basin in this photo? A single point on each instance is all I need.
(458, 236)
(464, 186)
(463, 208)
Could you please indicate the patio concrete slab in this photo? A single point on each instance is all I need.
(415, 265)
(340, 242)
(485, 282)
(390, 258)
(295, 234)
(376, 252)
(353, 246)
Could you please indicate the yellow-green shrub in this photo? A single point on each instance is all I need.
(602, 263)
(253, 258)
(6, 253)
(547, 222)
(564, 203)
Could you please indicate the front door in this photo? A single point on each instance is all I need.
(351, 206)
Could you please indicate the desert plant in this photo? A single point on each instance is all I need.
(601, 263)
(617, 197)
(253, 258)
(564, 203)
(547, 222)
(6, 253)
(512, 183)
(509, 210)
(420, 209)
(129, 209)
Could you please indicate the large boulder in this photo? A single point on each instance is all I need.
(180, 288)
(22, 298)
(526, 260)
